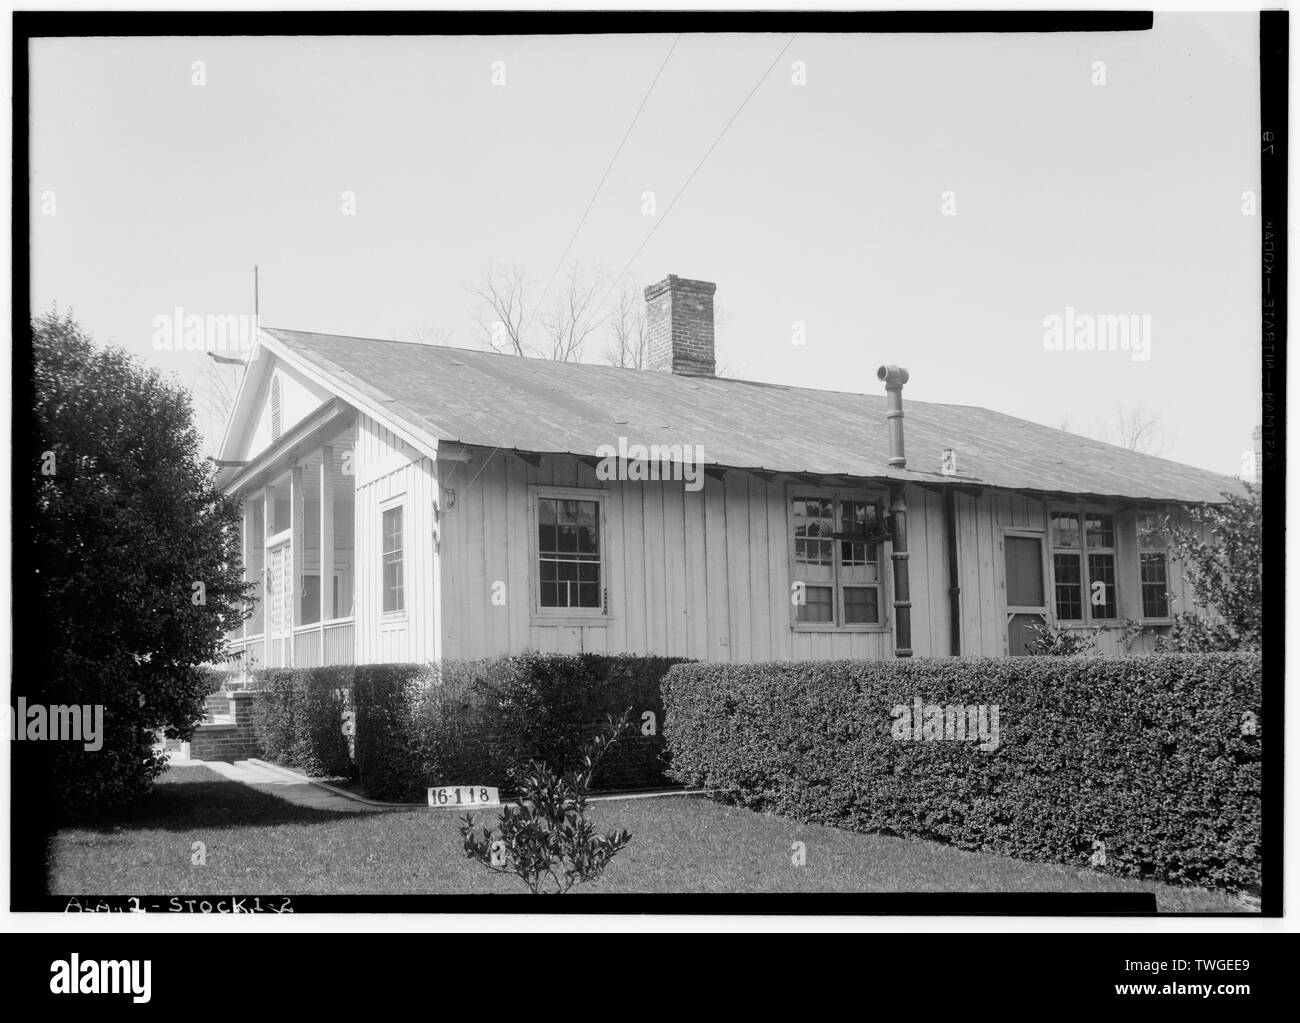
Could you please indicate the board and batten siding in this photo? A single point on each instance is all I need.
(702, 574)
(982, 525)
(389, 473)
(706, 573)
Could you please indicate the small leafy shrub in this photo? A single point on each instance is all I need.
(547, 841)
(1056, 641)
(1154, 759)
(1225, 572)
(1132, 629)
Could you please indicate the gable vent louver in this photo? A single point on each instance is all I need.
(275, 408)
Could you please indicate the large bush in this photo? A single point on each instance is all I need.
(1141, 766)
(135, 576)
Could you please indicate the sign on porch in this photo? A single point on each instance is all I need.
(452, 796)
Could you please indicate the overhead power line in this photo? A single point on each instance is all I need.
(707, 153)
(601, 184)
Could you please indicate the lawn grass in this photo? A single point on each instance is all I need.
(256, 842)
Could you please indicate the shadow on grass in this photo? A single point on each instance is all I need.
(190, 798)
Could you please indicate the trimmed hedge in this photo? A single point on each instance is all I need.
(481, 722)
(1145, 766)
(485, 721)
(298, 718)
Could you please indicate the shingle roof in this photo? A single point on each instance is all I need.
(537, 405)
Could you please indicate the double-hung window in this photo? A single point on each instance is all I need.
(1083, 565)
(394, 575)
(836, 560)
(1153, 558)
(569, 527)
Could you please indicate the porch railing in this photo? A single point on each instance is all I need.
(316, 645)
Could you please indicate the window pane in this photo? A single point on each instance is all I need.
(393, 591)
(814, 526)
(1069, 587)
(588, 523)
(1155, 586)
(1151, 531)
(1101, 585)
(1100, 530)
(1065, 530)
(818, 606)
(568, 553)
(861, 605)
(1024, 557)
(854, 518)
(391, 527)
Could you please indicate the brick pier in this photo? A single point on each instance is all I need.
(228, 735)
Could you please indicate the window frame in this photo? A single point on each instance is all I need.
(1167, 618)
(876, 496)
(1044, 553)
(1081, 511)
(397, 503)
(568, 615)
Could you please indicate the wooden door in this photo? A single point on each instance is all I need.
(279, 605)
(1026, 590)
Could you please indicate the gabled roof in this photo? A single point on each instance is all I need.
(536, 405)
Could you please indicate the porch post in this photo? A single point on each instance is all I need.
(327, 610)
(245, 530)
(297, 519)
(268, 524)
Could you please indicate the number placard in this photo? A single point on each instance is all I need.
(463, 796)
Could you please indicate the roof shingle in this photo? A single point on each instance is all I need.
(537, 405)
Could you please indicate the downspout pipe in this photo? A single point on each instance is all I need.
(894, 377)
(954, 589)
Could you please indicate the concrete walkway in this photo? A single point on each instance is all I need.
(279, 781)
(298, 788)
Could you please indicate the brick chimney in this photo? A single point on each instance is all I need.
(679, 326)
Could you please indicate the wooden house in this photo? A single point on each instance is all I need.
(407, 502)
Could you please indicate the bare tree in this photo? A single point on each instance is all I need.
(572, 318)
(1140, 430)
(1127, 427)
(506, 318)
(214, 395)
(627, 330)
(219, 387)
(436, 336)
(501, 314)
(722, 367)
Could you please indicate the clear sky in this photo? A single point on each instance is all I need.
(822, 204)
